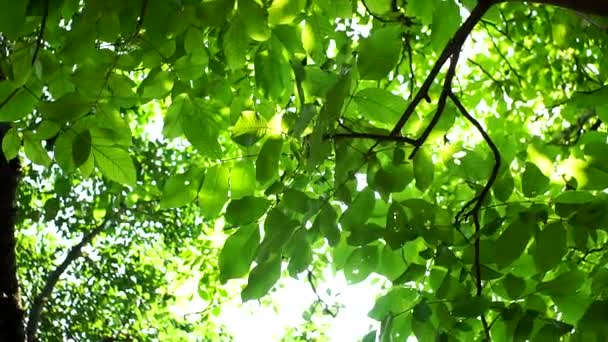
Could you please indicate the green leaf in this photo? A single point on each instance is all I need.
(422, 9)
(267, 163)
(191, 67)
(156, 85)
(11, 143)
(393, 302)
(363, 234)
(563, 285)
(317, 82)
(574, 197)
(242, 179)
(299, 252)
(12, 17)
(235, 43)
(475, 167)
(446, 20)
(503, 188)
(116, 164)
(552, 332)
(273, 73)
(34, 151)
(514, 286)
(360, 210)
(594, 320)
(63, 149)
(249, 128)
(278, 229)
(470, 307)
(335, 8)
(398, 231)
(380, 105)
(181, 189)
(194, 40)
(551, 246)
(201, 130)
(255, 20)
(214, 191)
(524, 327)
(19, 103)
(246, 210)
(380, 52)
(391, 263)
(423, 169)
(422, 311)
(262, 278)
(327, 221)
(392, 178)
(283, 12)
(413, 273)
(533, 181)
(238, 252)
(379, 7)
(122, 88)
(296, 200)
(46, 130)
(81, 149)
(69, 107)
(512, 242)
(361, 263)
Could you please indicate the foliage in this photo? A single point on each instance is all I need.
(457, 149)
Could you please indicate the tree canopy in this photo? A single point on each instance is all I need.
(455, 150)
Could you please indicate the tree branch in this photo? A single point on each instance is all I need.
(53, 277)
(377, 137)
(445, 91)
(455, 44)
(478, 200)
(45, 15)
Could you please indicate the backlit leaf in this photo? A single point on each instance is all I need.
(115, 163)
(214, 191)
(379, 53)
(267, 163)
(262, 278)
(11, 143)
(246, 210)
(238, 252)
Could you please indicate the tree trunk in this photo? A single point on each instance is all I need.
(11, 313)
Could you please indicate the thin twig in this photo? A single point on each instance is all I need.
(326, 307)
(504, 58)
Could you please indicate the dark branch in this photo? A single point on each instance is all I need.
(52, 279)
(455, 44)
(377, 137)
(45, 15)
(445, 91)
(478, 200)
